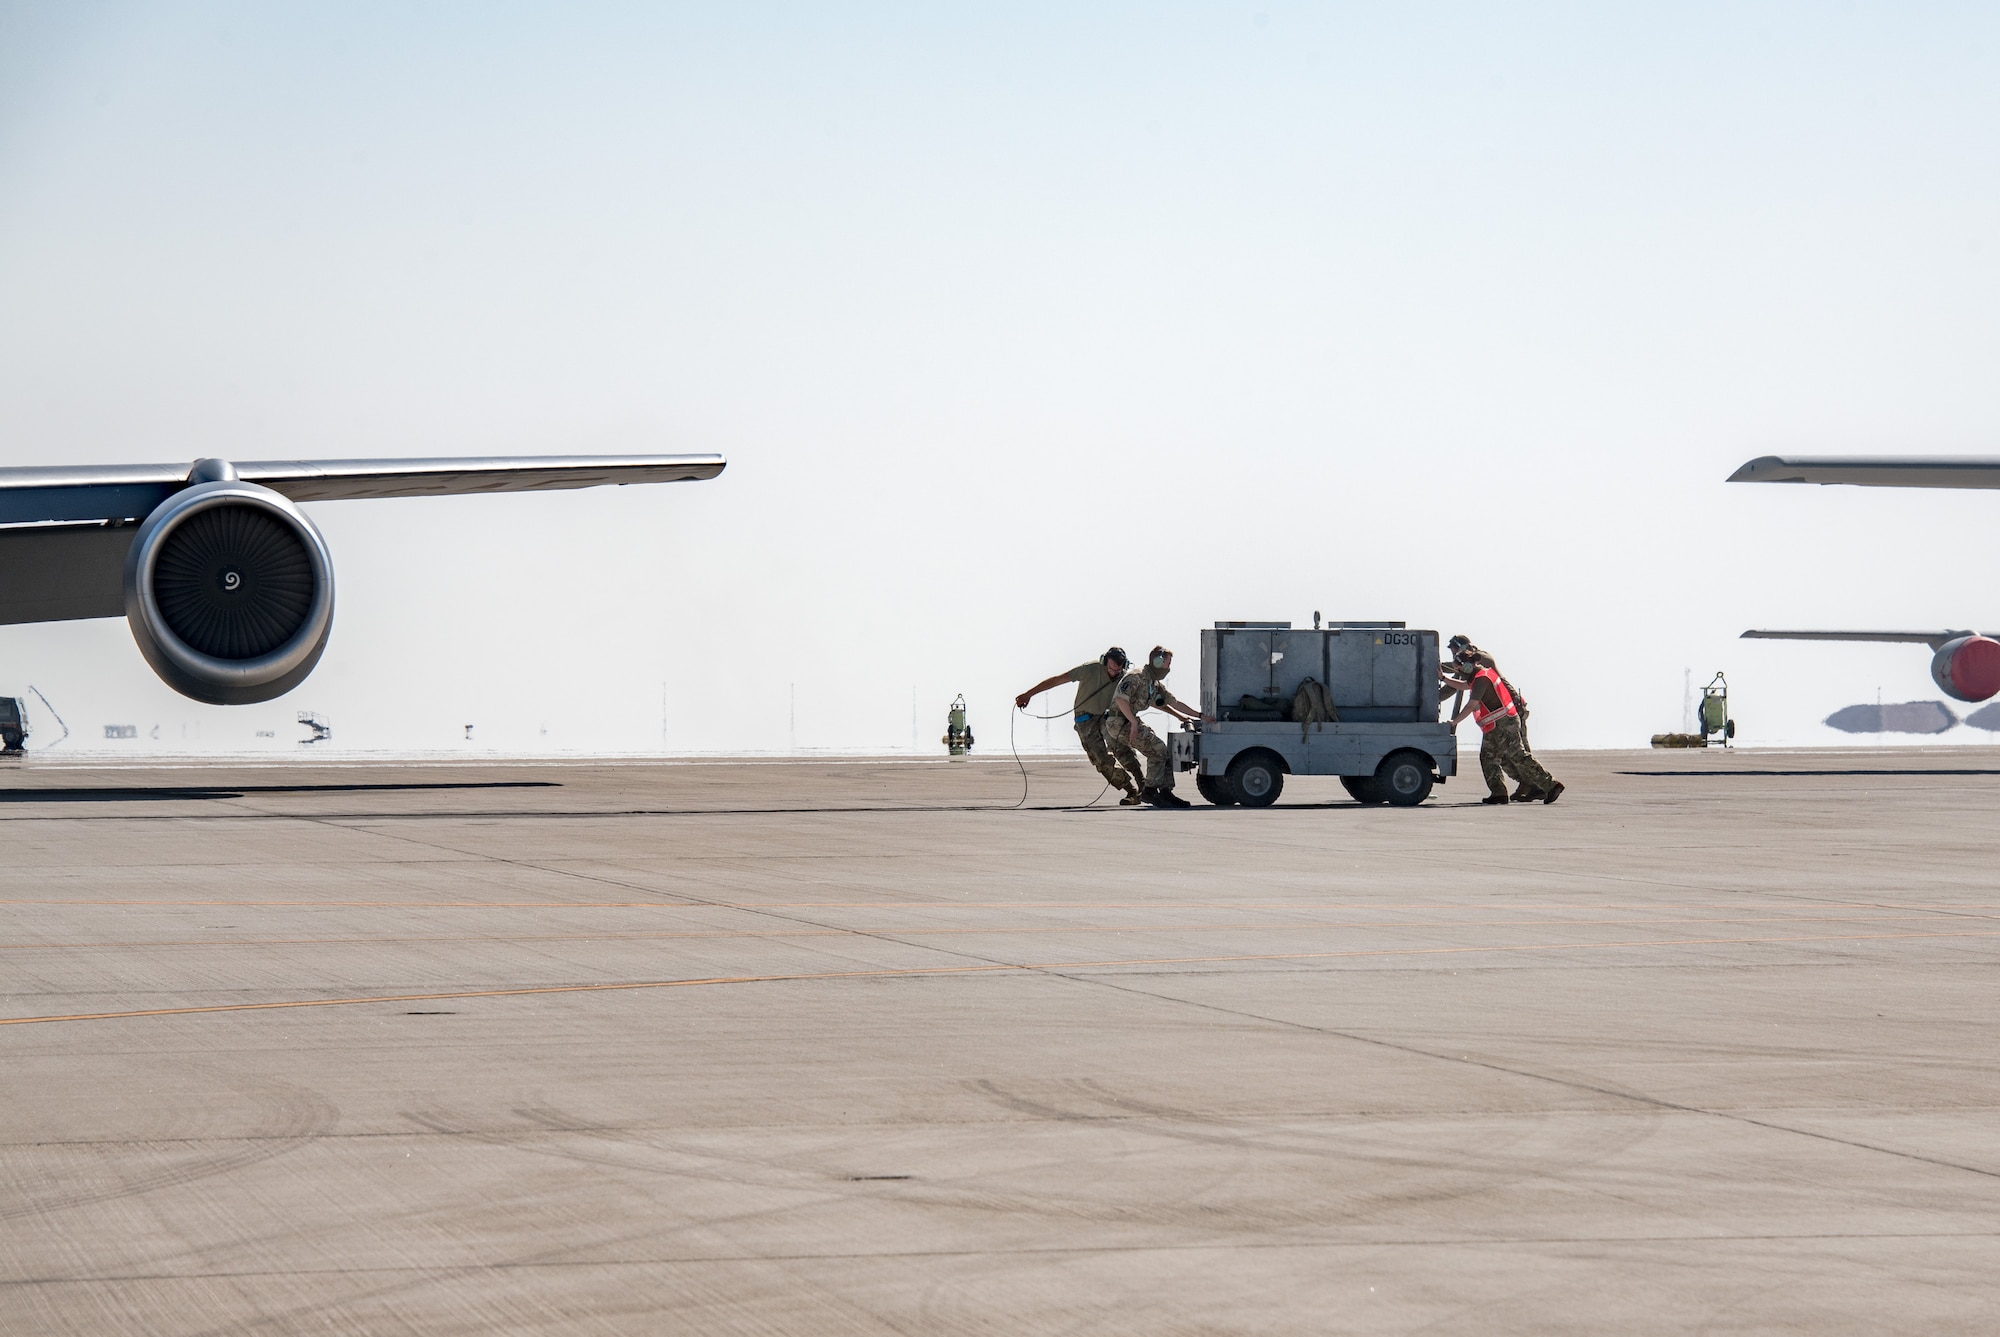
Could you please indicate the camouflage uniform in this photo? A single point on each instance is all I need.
(1094, 685)
(1474, 660)
(1141, 691)
(1503, 751)
(1106, 758)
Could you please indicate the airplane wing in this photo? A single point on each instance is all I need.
(1953, 471)
(64, 531)
(1934, 639)
(129, 492)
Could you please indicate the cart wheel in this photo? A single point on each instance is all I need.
(1729, 728)
(1215, 789)
(1256, 779)
(1404, 778)
(1362, 787)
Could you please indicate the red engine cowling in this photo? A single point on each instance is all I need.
(1968, 669)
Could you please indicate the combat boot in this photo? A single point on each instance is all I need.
(1167, 798)
(1525, 795)
(1495, 798)
(1133, 798)
(1553, 793)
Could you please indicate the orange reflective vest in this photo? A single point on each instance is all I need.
(1485, 718)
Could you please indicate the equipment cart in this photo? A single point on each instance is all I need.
(1387, 744)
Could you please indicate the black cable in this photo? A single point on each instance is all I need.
(1023, 710)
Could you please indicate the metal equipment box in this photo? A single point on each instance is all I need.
(1387, 746)
(1377, 672)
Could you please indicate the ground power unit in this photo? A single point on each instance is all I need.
(1385, 741)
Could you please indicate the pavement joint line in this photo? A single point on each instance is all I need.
(1301, 1120)
(1635, 1097)
(1057, 968)
(1348, 906)
(892, 1255)
(676, 935)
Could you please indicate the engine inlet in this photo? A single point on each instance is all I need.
(234, 582)
(229, 591)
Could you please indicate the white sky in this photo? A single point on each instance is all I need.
(1025, 330)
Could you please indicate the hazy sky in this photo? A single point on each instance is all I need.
(1025, 329)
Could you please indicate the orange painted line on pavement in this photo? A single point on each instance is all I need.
(997, 967)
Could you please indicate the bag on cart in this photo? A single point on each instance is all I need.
(1312, 704)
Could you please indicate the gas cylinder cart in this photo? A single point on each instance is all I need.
(1385, 743)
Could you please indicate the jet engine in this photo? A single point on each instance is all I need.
(1968, 668)
(229, 590)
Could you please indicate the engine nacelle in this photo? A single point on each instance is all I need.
(1967, 669)
(229, 591)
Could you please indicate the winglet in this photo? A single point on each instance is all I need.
(1948, 471)
(1764, 469)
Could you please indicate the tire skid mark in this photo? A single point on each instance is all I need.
(288, 1118)
(1461, 1175)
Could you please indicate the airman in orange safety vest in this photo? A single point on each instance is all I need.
(1502, 748)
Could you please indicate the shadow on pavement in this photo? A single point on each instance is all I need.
(162, 793)
(489, 814)
(1721, 775)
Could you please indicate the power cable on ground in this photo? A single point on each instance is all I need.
(1022, 802)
